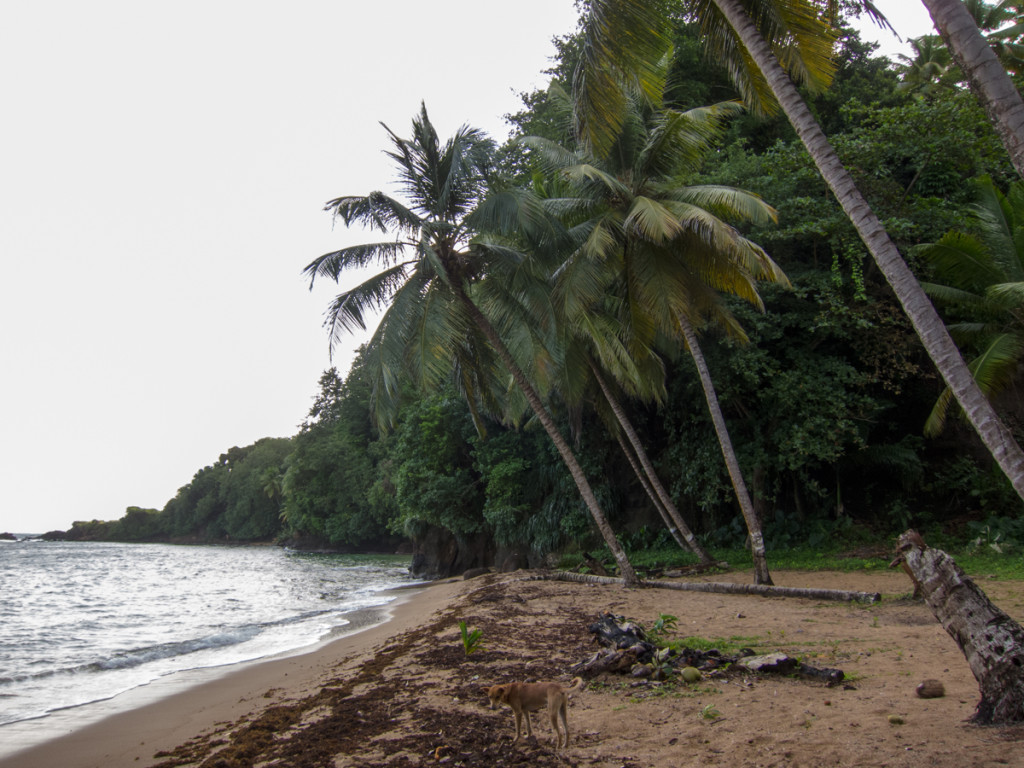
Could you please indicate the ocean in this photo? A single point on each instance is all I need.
(83, 622)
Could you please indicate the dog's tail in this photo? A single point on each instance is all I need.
(577, 683)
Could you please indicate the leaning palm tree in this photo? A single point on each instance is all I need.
(730, 31)
(986, 75)
(982, 285)
(430, 326)
(661, 247)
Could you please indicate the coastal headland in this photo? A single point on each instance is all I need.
(405, 693)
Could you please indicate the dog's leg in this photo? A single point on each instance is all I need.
(519, 723)
(564, 712)
(554, 709)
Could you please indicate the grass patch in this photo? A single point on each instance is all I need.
(1009, 566)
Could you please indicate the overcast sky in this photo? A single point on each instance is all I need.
(164, 172)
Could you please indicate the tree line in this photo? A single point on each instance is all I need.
(667, 307)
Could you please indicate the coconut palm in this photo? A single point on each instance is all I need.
(662, 248)
(986, 74)
(983, 286)
(929, 69)
(731, 34)
(590, 350)
(932, 66)
(562, 358)
(430, 326)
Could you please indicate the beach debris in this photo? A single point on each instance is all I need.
(991, 641)
(629, 649)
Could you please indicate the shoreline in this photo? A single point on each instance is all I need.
(164, 713)
(404, 693)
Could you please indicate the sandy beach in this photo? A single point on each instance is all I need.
(404, 693)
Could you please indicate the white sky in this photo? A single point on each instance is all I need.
(164, 168)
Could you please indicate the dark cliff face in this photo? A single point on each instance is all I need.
(438, 554)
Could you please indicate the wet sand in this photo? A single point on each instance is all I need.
(130, 728)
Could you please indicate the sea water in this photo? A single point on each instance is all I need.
(82, 622)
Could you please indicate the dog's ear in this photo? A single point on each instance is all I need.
(485, 690)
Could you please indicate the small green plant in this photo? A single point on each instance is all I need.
(472, 639)
(663, 626)
(661, 665)
(709, 712)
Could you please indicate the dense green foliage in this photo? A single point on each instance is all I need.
(826, 404)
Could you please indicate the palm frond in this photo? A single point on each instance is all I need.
(1007, 296)
(680, 141)
(962, 260)
(623, 43)
(586, 172)
(994, 370)
(514, 212)
(583, 277)
(375, 210)
(801, 39)
(651, 220)
(346, 313)
(549, 155)
(996, 367)
(995, 216)
(332, 264)
(387, 348)
(936, 420)
(727, 203)
(955, 297)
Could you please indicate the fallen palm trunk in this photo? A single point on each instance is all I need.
(727, 588)
(992, 642)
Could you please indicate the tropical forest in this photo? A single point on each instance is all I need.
(706, 303)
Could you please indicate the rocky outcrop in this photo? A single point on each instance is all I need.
(439, 554)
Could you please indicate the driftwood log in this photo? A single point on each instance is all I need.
(727, 588)
(992, 642)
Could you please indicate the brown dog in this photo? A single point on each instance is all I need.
(525, 698)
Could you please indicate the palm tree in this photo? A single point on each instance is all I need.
(732, 34)
(431, 325)
(928, 70)
(986, 75)
(932, 65)
(983, 286)
(661, 247)
(562, 358)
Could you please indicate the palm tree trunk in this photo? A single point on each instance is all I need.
(590, 499)
(761, 575)
(986, 75)
(663, 499)
(925, 320)
(639, 472)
